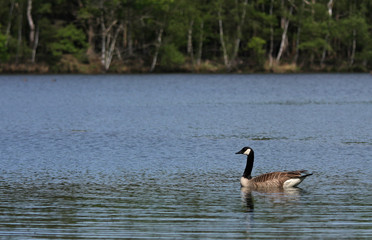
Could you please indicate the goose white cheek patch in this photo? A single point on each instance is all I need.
(247, 152)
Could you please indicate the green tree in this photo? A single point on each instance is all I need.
(159, 14)
(171, 57)
(4, 56)
(68, 40)
(257, 45)
(314, 32)
(178, 34)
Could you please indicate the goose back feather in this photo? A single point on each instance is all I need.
(278, 179)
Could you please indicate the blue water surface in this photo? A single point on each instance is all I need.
(152, 156)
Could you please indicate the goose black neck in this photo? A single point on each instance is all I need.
(249, 166)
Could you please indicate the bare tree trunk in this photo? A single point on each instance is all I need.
(130, 40)
(30, 22)
(229, 62)
(125, 34)
(90, 33)
(118, 53)
(103, 42)
(7, 33)
(108, 42)
(128, 34)
(190, 50)
(34, 47)
(283, 43)
(224, 50)
(330, 6)
(271, 37)
(157, 48)
(352, 57)
(324, 53)
(295, 60)
(90, 49)
(239, 32)
(20, 25)
(200, 48)
(297, 45)
(110, 52)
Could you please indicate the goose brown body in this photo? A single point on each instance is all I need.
(275, 179)
(269, 180)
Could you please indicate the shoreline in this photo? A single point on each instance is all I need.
(88, 69)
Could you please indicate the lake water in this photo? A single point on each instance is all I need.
(152, 156)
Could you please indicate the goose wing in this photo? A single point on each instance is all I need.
(277, 178)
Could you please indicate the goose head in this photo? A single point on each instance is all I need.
(245, 151)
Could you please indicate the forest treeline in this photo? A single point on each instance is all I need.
(94, 36)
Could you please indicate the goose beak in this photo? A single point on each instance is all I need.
(240, 152)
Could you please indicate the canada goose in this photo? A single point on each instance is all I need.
(269, 180)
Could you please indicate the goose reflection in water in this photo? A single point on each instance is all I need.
(275, 195)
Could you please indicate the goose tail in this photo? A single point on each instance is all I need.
(305, 173)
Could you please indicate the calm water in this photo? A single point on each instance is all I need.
(152, 156)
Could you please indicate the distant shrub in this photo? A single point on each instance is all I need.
(171, 56)
(70, 40)
(3, 48)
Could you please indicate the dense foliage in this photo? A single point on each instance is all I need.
(185, 35)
